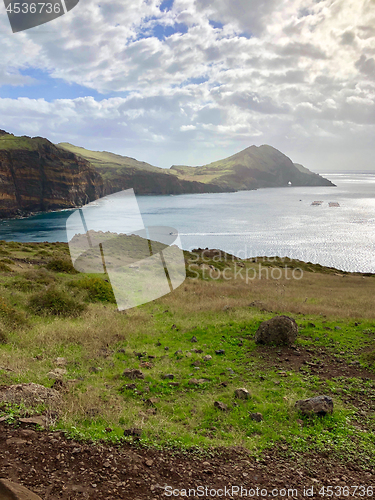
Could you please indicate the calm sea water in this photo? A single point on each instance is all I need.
(278, 221)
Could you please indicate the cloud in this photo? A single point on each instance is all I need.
(227, 73)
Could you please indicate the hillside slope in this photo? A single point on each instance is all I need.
(252, 168)
(123, 172)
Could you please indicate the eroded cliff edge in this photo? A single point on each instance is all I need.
(35, 176)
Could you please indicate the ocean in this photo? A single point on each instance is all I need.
(338, 231)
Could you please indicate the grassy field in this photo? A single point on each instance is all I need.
(49, 311)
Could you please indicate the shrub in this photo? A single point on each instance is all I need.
(43, 253)
(7, 261)
(61, 266)
(4, 268)
(97, 289)
(39, 276)
(55, 302)
(10, 316)
(3, 337)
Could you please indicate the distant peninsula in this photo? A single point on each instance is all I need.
(37, 175)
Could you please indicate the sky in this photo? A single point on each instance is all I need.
(193, 81)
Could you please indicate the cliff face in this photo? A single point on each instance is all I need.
(35, 175)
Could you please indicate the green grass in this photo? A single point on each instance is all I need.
(38, 311)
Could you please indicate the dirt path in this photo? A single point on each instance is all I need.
(56, 468)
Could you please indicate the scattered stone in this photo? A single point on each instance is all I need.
(152, 411)
(224, 384)
(149, 463)
(220, 352)
(188, 354)
(61, 362)
(166, 348)
(311, 325)
(174, 384)
(93, 369)
(221, 406)
(140, 355)
(242, 393)
(27, 433)
(197, 351)
(196, 363)
(151, 357)
(168, 376)
(16, 441)
(193, 381)
(57, 373)
(123, 351)
(280, 330)
(151, 401)
(194, 339)
(207, 358)
(130, 386)
(231, 371)
(178, 352)
(258, 417)
(133, 374)
(158, 344)
(37, 420)
(31, 394)
(146, 364)
(174, 327)
(338, 328)
(319, 405)
(226, 308)
(134, 432)
(14, 491)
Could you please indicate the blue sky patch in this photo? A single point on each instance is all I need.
(48, 88)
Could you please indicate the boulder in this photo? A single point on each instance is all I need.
(31, 394)
(280, 330)
(242, 393)
(14, 491)
(320, 405)
(207, 358)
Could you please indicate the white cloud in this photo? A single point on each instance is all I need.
(276, 72)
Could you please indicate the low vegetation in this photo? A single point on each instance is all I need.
(195, 347)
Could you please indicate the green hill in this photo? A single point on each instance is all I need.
(252, 168)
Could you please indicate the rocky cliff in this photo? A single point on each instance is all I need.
(35, 175)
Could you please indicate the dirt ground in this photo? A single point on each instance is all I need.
(56, 468)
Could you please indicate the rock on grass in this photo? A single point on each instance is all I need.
(280, 330)
(320, 405)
